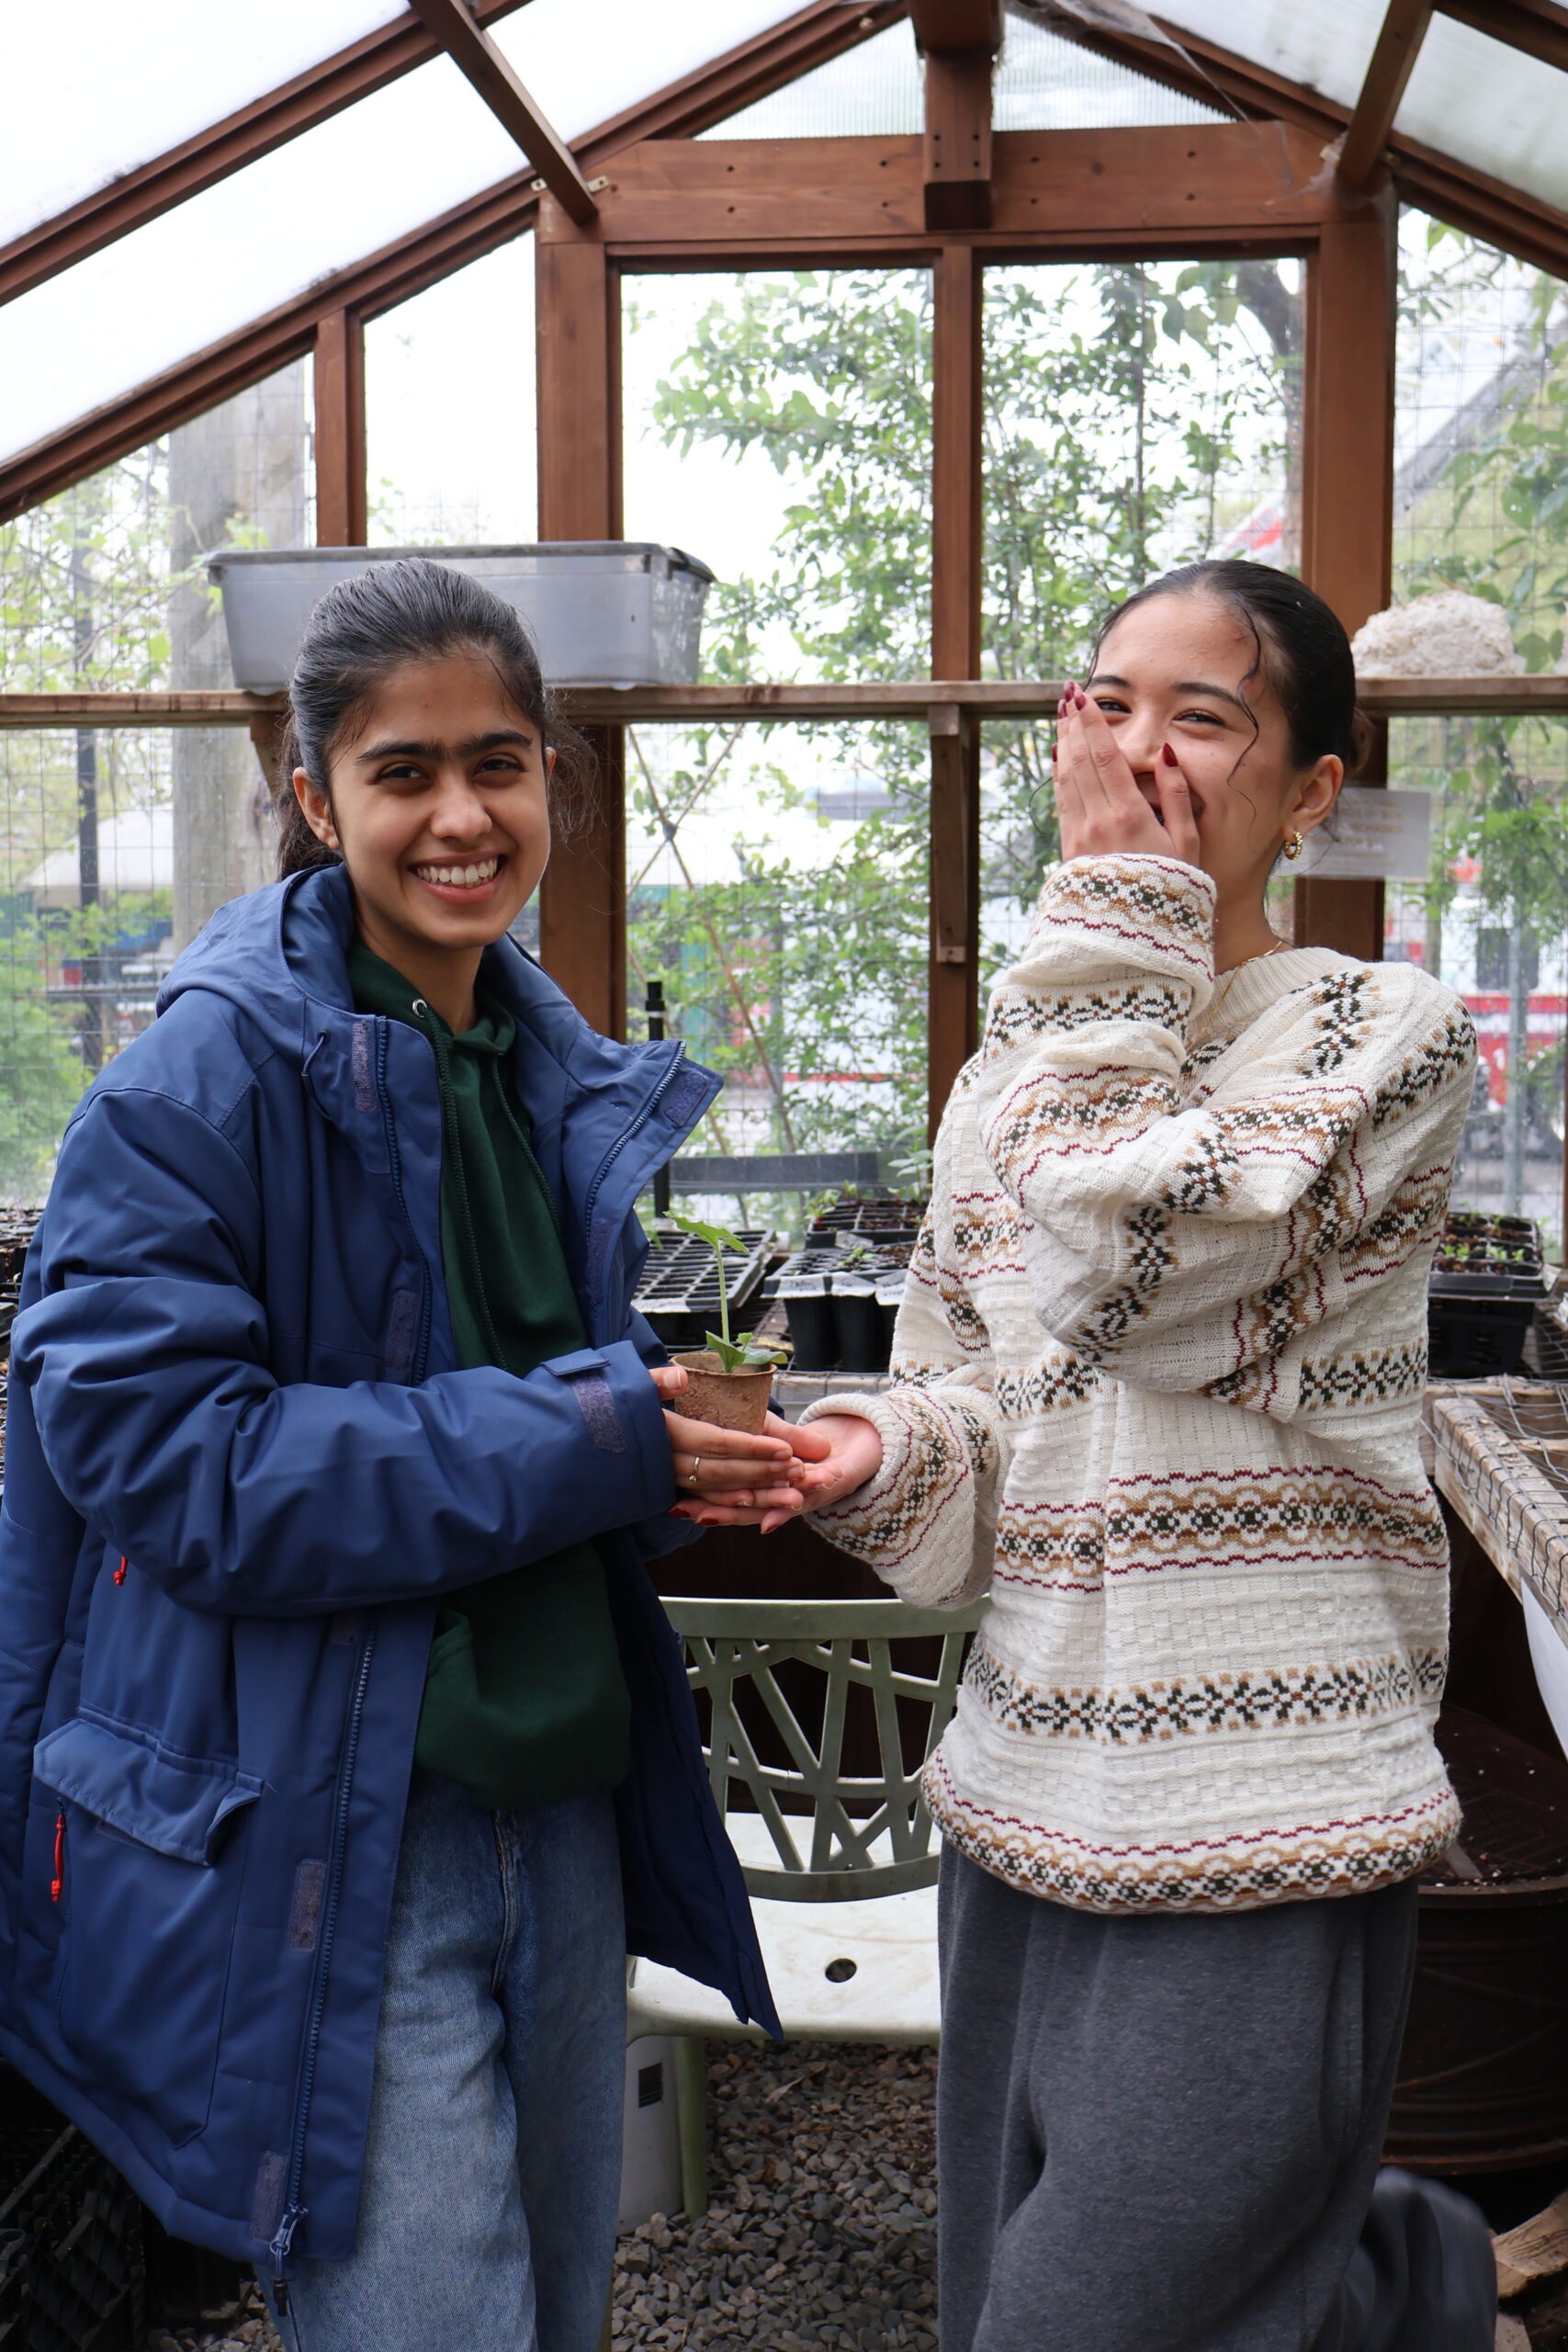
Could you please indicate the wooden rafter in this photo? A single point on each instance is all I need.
(823, 30)
(452, 24)
(1394, 56)
(137, 197)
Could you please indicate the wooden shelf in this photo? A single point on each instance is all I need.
(910, 698)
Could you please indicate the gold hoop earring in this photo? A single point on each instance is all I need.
(1295, 845)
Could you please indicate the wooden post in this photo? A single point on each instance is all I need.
(955, 1016)
(583, 929)
(1347, 496)
(957, 153)
(341, 497)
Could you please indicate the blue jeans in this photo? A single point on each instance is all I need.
(486, 2220)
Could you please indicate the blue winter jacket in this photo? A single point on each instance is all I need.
(241, 1468)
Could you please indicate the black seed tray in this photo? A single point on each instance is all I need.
(679, 1290)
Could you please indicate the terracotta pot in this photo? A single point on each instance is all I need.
(733, 1400)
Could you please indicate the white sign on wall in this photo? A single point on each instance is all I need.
(1379, 837)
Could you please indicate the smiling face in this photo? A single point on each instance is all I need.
(438, 808)
(1175, 670)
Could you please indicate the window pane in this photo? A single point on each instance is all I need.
(104, 585)
(1482, 450)
(1482, 432)
(459, 355)
(779, 427)
(1137, 416)
(123, 85)
(79, 967)
(117, 843)
(777, 887)
(1492, 923)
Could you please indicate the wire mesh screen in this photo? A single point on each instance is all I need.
(1480, 506)
(116, 843)
(1138, 415)
(778, 425)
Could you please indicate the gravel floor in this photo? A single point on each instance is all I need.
(821, 2228)
(240, 2327)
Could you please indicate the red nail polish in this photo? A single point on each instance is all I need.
(1079, 700)
(1167, 756)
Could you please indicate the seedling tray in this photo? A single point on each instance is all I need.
(1495, 1258)
(679, 1289)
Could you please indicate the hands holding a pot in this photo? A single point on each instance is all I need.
(729, 1478)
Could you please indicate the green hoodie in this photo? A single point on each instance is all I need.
(524, 1701)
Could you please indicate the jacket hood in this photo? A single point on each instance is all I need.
(603, 1116)
(280, 955)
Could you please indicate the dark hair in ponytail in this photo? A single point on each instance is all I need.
(1301, 651)
(407, 609)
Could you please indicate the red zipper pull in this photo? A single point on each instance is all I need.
(120, 1572)
(57, 1883)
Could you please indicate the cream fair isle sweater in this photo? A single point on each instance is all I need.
(1158, 1378)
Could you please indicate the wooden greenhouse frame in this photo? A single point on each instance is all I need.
(1295, 175)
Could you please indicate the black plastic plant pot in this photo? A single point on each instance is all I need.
(863, 1342)
(813, 1331)
(1475, 1339)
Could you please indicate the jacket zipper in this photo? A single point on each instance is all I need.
(56, 1883)
(395, 1165)
(622, 1140)
(293, 2211)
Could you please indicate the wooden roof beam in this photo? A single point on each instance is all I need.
(957, 24)
(451, 23)
(1371, 124)
(137, 197)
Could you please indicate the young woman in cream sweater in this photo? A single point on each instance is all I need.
(1156, 1392)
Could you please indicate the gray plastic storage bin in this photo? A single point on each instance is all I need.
(603, 612)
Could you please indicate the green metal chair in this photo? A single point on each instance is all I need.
(841, 1865)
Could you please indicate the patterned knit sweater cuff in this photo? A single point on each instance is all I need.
(915, 1521)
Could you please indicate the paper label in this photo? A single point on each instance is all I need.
(1380, 837)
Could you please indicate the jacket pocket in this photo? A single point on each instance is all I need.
(150, 1887)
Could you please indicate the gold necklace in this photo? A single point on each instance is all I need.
(1280, 947)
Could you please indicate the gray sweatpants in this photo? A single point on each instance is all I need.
(1161, 2135)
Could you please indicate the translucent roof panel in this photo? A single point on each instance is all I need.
(1044, 82)
(1327, 46)
(585, 60)
(238, 250)
(1469, 97)
(116, 85)
(874, 90)
(1491, 107)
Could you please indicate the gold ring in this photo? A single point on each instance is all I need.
(696, 1465)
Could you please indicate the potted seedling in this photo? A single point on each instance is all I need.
(730, 1381)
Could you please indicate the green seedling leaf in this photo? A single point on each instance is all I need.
(745, 1354)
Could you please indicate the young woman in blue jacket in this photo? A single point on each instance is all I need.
(345, 1748)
